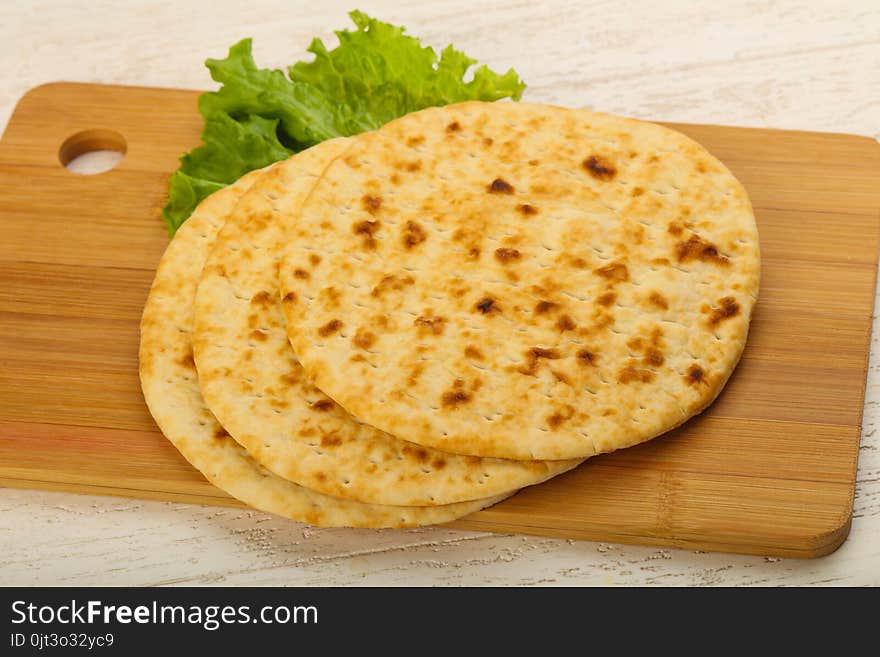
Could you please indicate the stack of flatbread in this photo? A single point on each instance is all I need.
(407, 326)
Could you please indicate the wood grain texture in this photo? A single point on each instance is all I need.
(783, 64)
(769, 469)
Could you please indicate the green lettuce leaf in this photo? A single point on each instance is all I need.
(377, 74)
(229, 150)
(258, 116)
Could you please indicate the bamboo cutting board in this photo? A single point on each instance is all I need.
(768, 469)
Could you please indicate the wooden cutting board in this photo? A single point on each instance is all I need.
(768, 469)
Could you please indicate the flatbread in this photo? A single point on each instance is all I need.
(171, 390)
(522, 281)
(255, 387)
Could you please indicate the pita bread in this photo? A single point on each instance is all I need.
(522, 281)
(170, 386)
(255, 387)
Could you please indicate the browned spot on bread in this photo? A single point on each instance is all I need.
(262, 298)
(367, 229)
(395, 179)
(609, 411)
(630, 373)
(474, 253)
(500, 186)
(653, 159)
(487, 305)
(600, 167)
(221, 434)
(543, 307)
(279, 403)
(637, 234)
(534, 163)
(330, 296)
(701, 167)
(675, 228)
(488, 141)
(607, 299)
(473, 352)
(323, 405)
(587, 357)
(565, 323)
(363, 339)
(438, 463)
(307, 432)
(653, 357)
(430, 324)
(580, 263)
(415, 141)
(698, 249)
(527, 210)
(357, 358)
(656, 336)
(694, 375)
(560, 376)
(456, 395)
(658, 300)
(315, 259)
(635, 343)
(413, 234)
(603, 320)
(506, 256)
(258, 335)
(615, 272)
(727, 308)
(415, 374)
(187, 360)
(534, 355)
(290, 297)
(330, 440)
(290, 378)
(371, 203)
(455, 126)
(419, 453)
(546, 287)
(352, 161)
(637, 191)
(560, 416)
(330, 328)
(415, 165)
(301, 273)
(391, 282)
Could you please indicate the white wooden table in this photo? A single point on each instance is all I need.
(813, 65)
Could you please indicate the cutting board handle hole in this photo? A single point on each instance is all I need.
(92, 151)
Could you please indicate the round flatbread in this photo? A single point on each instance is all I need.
(257, 390)
(522, 281)
(171, 390)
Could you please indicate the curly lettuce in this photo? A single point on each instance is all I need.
(258, 116)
